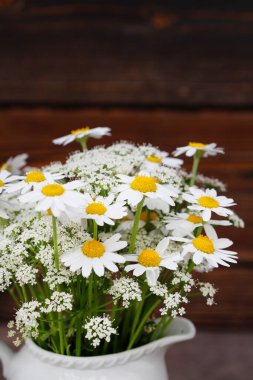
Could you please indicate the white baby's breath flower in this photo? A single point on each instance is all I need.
(159, 289)
(98, 329)
(26, 274)
(193, 147)
(58, 302)
(125, 289)
(5, 279)
(27, 319)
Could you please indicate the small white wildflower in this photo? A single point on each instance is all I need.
(99, 328)
(5, 279)
(210, 301)
(59, 301)
(187, 288)
(11, 333)
(17, 342)
(159, 289)
(26, 274)
(172, 304)
(127, 289)
(27, 319)
(207, 289)
(10, 324)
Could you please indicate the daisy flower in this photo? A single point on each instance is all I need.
(193, 147)
(102, 210)
(208, 249)
(5, 179)
(207, 201)
(79, 134)
(152, 162)
(31, 180)
(55, 196)
(95, 255)
(150, 261)
(15, 164)
(183, 224)
(133, 189)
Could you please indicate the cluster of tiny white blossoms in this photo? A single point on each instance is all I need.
(208, 291)
(59, 301)
(98, 329)
(125, 289)
(117, 230)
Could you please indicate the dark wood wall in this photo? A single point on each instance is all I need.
(163, 72)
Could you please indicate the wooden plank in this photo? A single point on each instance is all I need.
(127, 53)
(233, 308)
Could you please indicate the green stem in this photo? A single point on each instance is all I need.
(83, 143)
(196, 160)
(142, 324)
(55, 238)
(24, 293)
(95, 230)
(136, 224)
(57, 266)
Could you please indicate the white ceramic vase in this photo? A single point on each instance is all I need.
(142, 363)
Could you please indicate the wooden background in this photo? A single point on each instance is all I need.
(164, 72)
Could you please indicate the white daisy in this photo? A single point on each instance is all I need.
(150, 261)
(134, 189)
(183, 224)
(5, 179)
(31, 180)
(55, 197)
(15, 164)
(95, 255)
(152, 162)
(207, 201)
(79, 134)
(208, 249)
(102, 210)
(193, 147)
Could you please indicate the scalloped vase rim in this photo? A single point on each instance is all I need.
(187, 329)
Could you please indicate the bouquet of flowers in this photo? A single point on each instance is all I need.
(99, 252)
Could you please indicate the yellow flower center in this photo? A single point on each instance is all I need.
(53, 190)
(96, 208)
(197, 145)
(144, 216)
(208, 202)
(194, 219)
(149, 258)
(93, 248)
(80, 130)
(1, 183)
(204, 244)
(144, 184)
(35, 177)
(154, 159)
